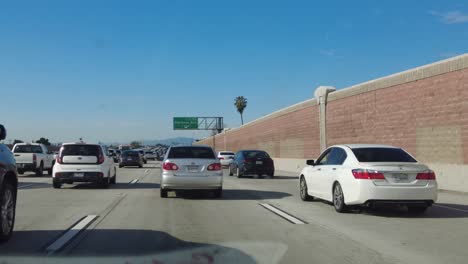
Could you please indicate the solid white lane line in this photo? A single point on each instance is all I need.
(134, 181)
(70, 234)
(146, 170)
(283, 214)
(449, 207)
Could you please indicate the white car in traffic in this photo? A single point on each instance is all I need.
(226, 158)
(191, 168)
(369, 175)
(81, 162)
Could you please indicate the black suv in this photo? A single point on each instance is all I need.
(8, 189)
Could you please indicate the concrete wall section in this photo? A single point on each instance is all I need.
(424, 110)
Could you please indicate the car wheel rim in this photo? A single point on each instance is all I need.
(8, 211)
(338, 196)
(303, 188)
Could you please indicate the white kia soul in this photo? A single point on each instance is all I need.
(81, 162)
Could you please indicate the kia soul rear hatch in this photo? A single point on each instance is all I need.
(80, 154)
(192, 161)
(397, 166)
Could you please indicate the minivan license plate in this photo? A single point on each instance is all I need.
(79, 174)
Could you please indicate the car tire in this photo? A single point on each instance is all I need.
(20, 171)
(104, 183)
(120, 166)
(163, 193)
(338, 199)
(114, 179)
(238, 173)
(218, 193)
(7, 217)
(49, 171)
(140, 166)
(303, 190)
(417, 209)
(57, 185)
(230, 171)
(40, 170)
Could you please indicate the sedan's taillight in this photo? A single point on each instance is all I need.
(214, 167)
(368, 175)
(170, 166)
(427, 175)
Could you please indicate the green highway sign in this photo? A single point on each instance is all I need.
(185, 123)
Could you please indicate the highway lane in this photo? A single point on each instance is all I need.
(133, 221)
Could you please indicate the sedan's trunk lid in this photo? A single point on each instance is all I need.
(397, 173)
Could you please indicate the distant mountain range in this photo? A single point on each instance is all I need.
(169, 142)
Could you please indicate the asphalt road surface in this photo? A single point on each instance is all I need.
(258, 220)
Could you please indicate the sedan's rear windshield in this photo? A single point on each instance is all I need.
(28, 149)
(80, 150)
(382, 155)
(256, 154)
(131, 153)
(191, 153)
(227, 153)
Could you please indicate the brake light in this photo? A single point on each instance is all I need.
(170, 166)
(100, 157)
(34, 158)
(59, 156)
(368, 175)
(214, 167)
(427, 175)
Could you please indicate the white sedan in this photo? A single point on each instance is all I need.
(368, 175)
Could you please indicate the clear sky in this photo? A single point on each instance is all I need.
(120, 70)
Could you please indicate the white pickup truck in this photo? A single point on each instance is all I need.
(33, 157)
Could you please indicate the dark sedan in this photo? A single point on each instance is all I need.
(130, 158)
(252, 162)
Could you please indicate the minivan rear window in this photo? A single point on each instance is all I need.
(382, 155)
(191, 153)
(80, 150)
(130, 153)
(28, 149)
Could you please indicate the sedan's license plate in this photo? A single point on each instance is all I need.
(192, 168)
(259, 162)
(400, 177)
(79, 174)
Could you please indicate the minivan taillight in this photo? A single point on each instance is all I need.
(170, 166)
(368, 175)
(100, 157)
(427, 175)
(214, 167)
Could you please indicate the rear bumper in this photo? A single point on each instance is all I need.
(26, 166)
(261, 170)
(191, 182)
(368, 192)
(69, 177)
(225, 162)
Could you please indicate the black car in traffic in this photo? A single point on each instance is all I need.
(8, 189)
(252, 162)
(131, 158)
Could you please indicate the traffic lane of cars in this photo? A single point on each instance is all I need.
(43, 214)
(437, 236)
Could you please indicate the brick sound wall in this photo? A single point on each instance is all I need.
(424, 110)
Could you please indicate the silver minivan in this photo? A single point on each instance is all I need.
(191, 168)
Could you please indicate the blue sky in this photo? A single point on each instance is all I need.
(120, 70)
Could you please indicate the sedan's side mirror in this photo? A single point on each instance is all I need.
(3, 132)
(310, 162)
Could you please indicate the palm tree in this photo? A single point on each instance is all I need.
(241, 103)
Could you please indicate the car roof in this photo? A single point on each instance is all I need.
(79, 143)
(191, 146)
(26, 144)
(357, 146)
(245, 150)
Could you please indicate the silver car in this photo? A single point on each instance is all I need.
(191, 168)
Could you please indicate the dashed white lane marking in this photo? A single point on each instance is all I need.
(134, 181)
(70, 234)
(451, 208)
(146, 171)
(283, 214)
